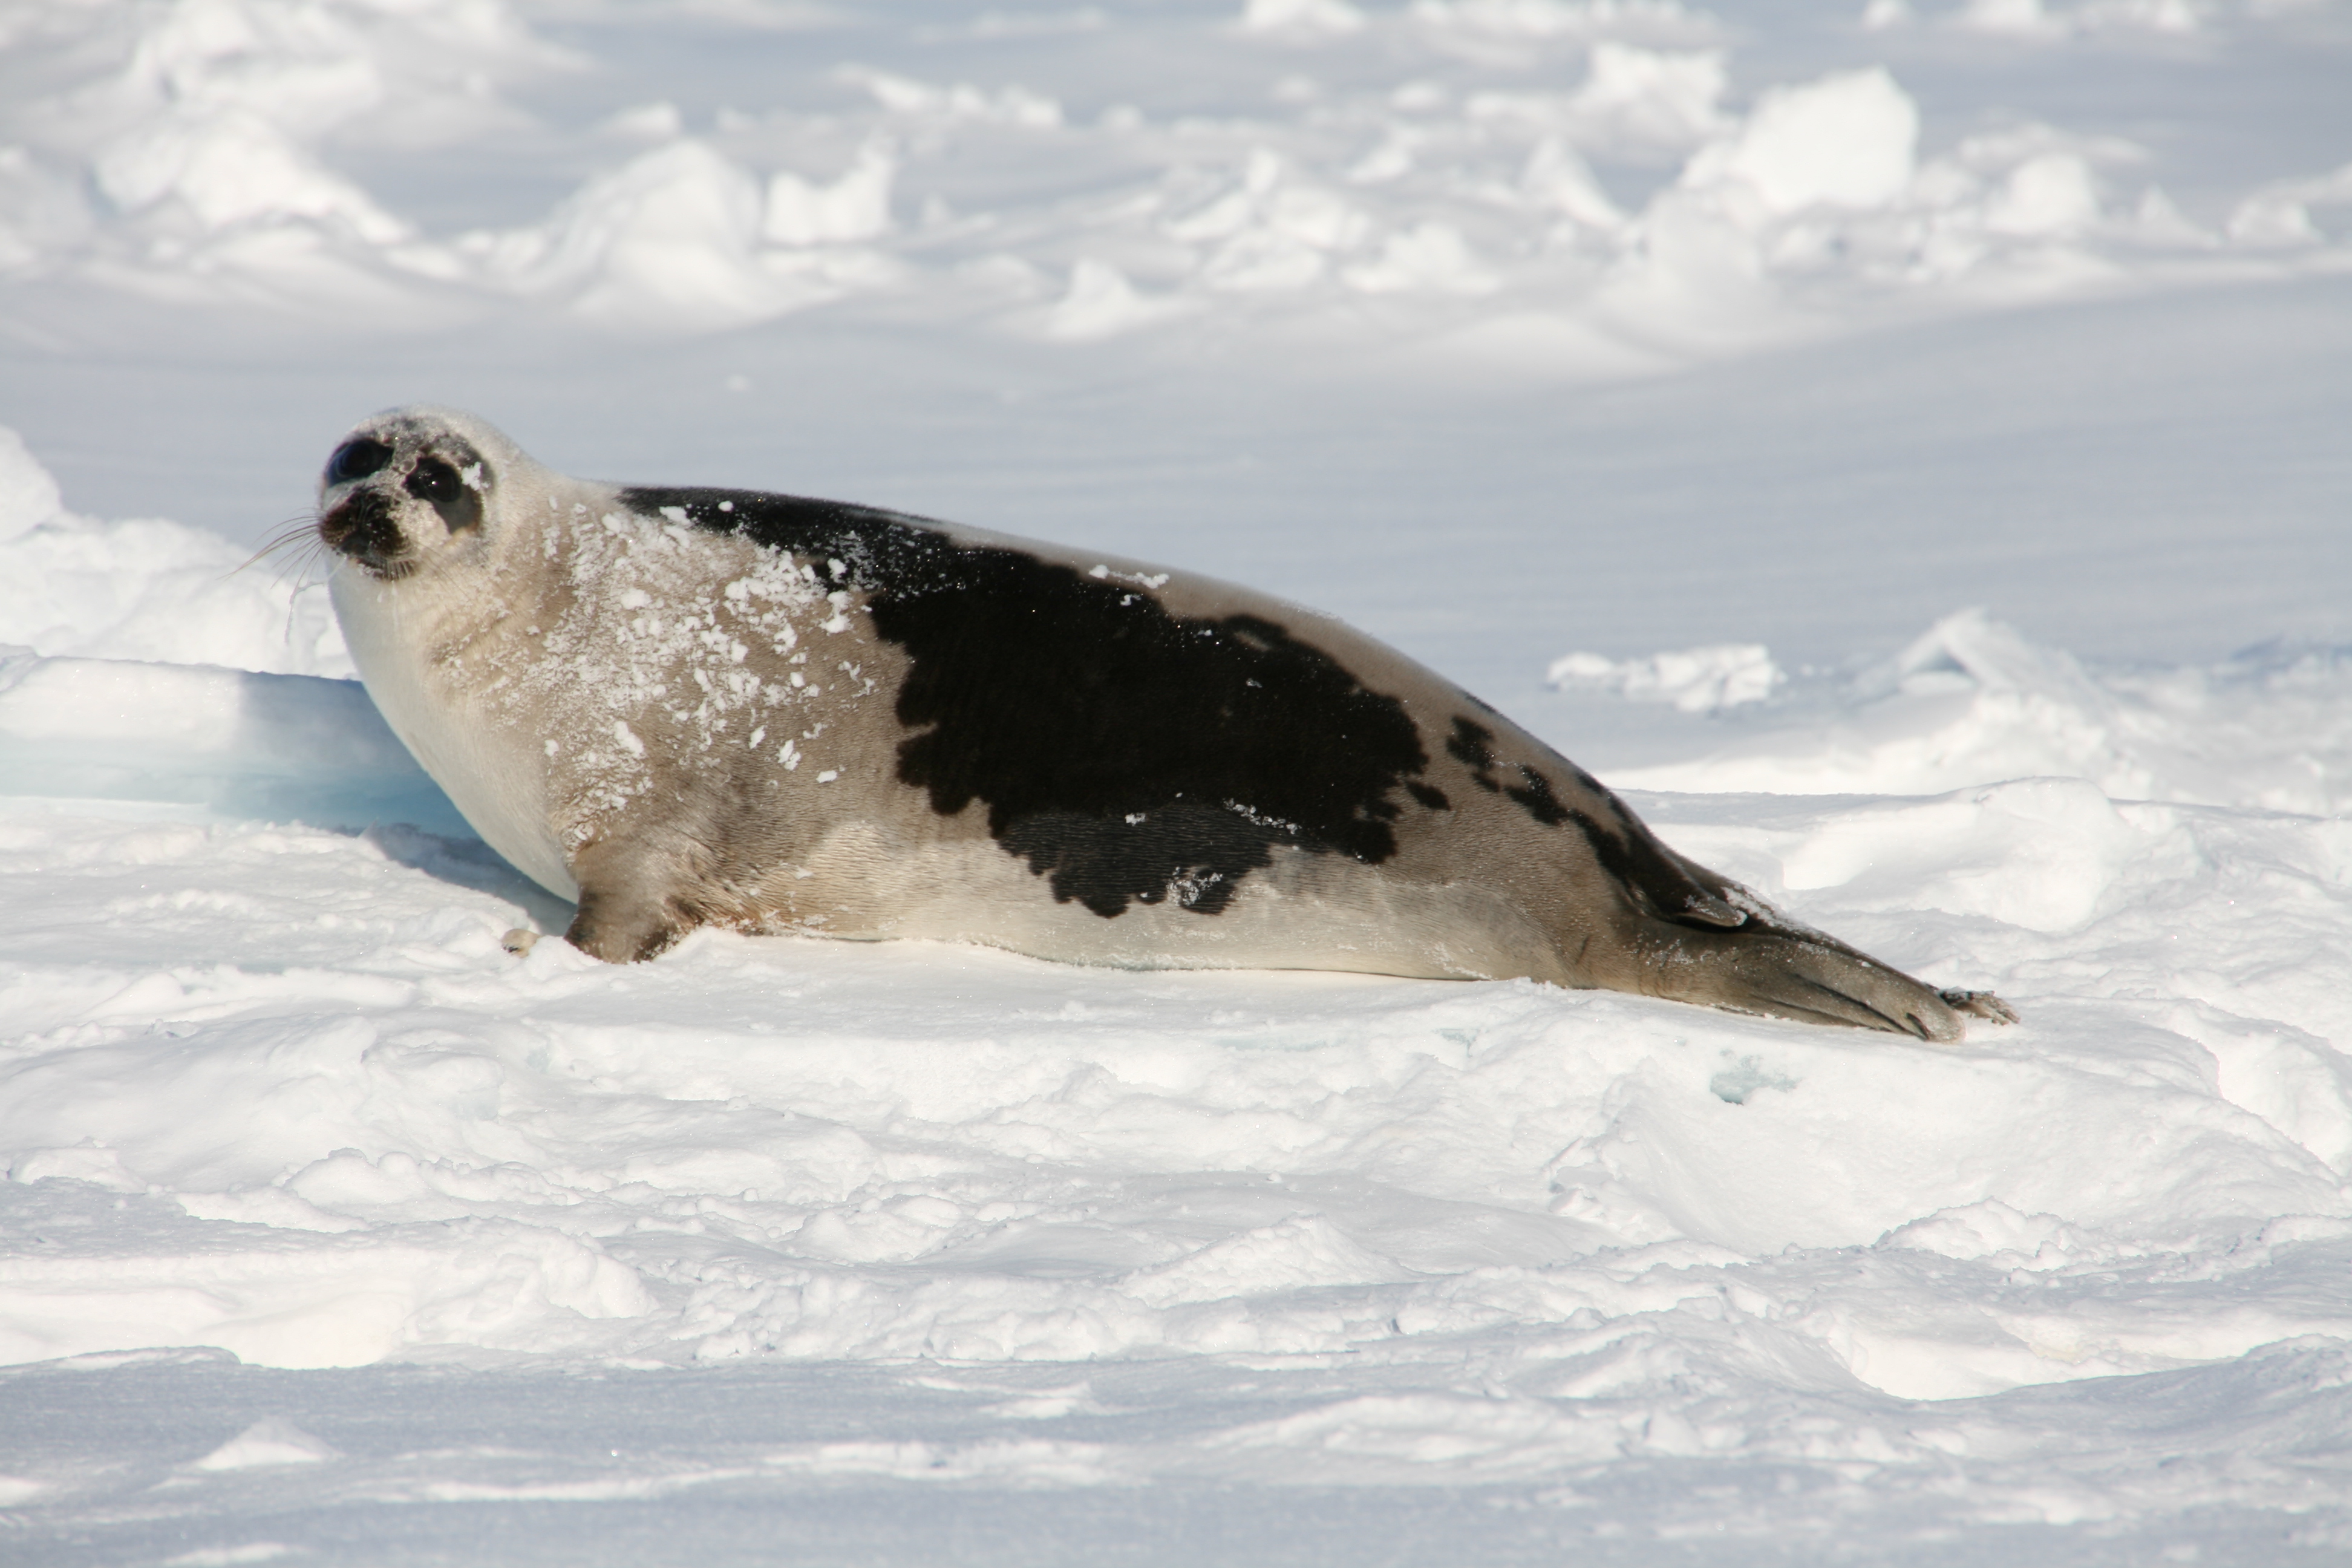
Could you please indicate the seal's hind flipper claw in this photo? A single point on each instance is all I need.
(1980, 1005)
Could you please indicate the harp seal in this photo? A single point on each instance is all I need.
(682, 707)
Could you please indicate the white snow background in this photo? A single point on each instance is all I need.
(1907, 449)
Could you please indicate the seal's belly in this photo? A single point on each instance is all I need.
(1303, 912)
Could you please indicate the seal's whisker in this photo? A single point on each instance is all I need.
(299, 535)
(294, 531)
(305, 566)
(299, 569)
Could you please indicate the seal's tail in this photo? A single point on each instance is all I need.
(1696, 935)
(1788, 971)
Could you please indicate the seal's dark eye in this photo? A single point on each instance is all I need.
(435, 481)
(357, 459)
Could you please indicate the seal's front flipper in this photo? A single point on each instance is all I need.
(625, 915)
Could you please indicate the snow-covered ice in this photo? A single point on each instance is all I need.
(1901, 446)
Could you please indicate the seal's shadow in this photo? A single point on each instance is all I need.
(472, 865)
(316, 752)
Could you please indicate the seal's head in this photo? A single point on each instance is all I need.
(410, 488)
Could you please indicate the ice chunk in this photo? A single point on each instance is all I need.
(29, 498)
(1429, 257)
(1102, 303)
(669, 239)
(1650, 96)
(1696, 680)
(223, 169)
(1308, 16)
(270, 1442)
(854, 207)
(148, 589)
(1846, 140)
(286, 747)
(2051, 195)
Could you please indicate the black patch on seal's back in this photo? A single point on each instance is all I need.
(1125, 753)
(1473, 745)
(1195, 855)
(1534, 796)
(1623, 845)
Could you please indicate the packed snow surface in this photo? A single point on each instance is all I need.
(1902, 449)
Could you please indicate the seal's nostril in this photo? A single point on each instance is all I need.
(363, 529)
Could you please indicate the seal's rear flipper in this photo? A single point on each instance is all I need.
(1788, 972)
(1980, 1004)
(1783, 967)
(1817, 977)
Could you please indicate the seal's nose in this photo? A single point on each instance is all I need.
(362, 528)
